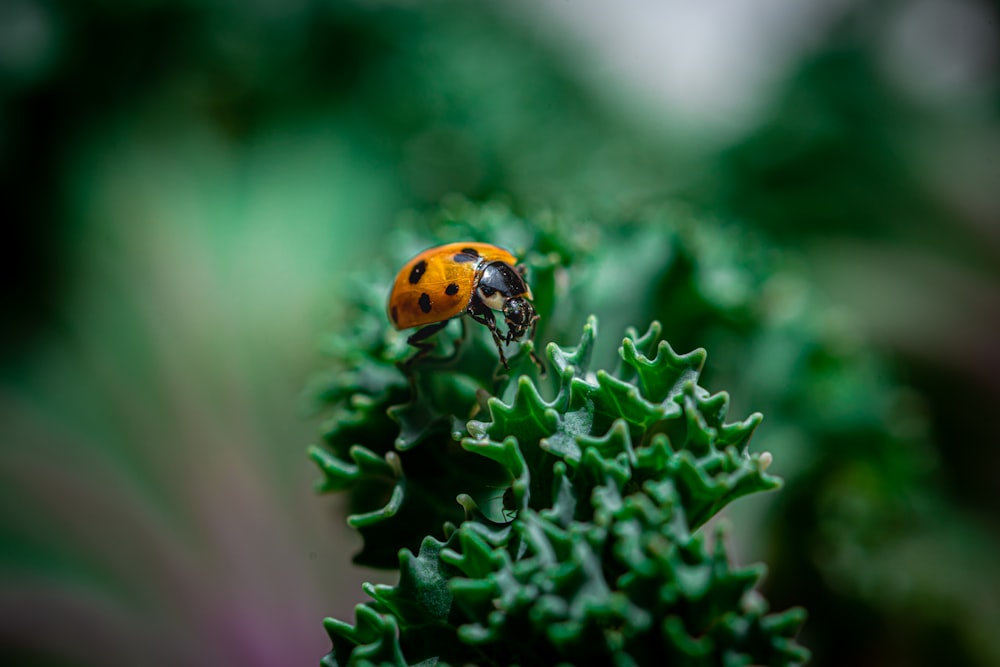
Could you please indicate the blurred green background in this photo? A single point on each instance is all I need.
(188, 186)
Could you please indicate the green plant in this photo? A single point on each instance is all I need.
(541, 519)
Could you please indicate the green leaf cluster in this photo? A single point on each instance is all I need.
(582, 496)
(598, 556)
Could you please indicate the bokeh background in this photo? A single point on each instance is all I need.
(186, 189)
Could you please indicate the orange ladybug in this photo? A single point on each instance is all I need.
(462, 279)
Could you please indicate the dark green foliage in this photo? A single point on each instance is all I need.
(600, 559)
(539, 520)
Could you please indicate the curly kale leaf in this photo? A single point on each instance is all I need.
(595, 554)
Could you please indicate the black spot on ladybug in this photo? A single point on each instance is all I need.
(417, 272)
(451, 289)
(466, 255)
(425, 302)
(395, 314)
(487, 290)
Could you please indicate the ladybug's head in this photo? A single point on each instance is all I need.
(520, 316)
(501, 287)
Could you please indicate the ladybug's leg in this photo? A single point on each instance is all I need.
(531, 336)
(534, 357)
(481, 313)
(419, 340)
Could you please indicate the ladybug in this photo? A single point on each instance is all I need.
(462, 279)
